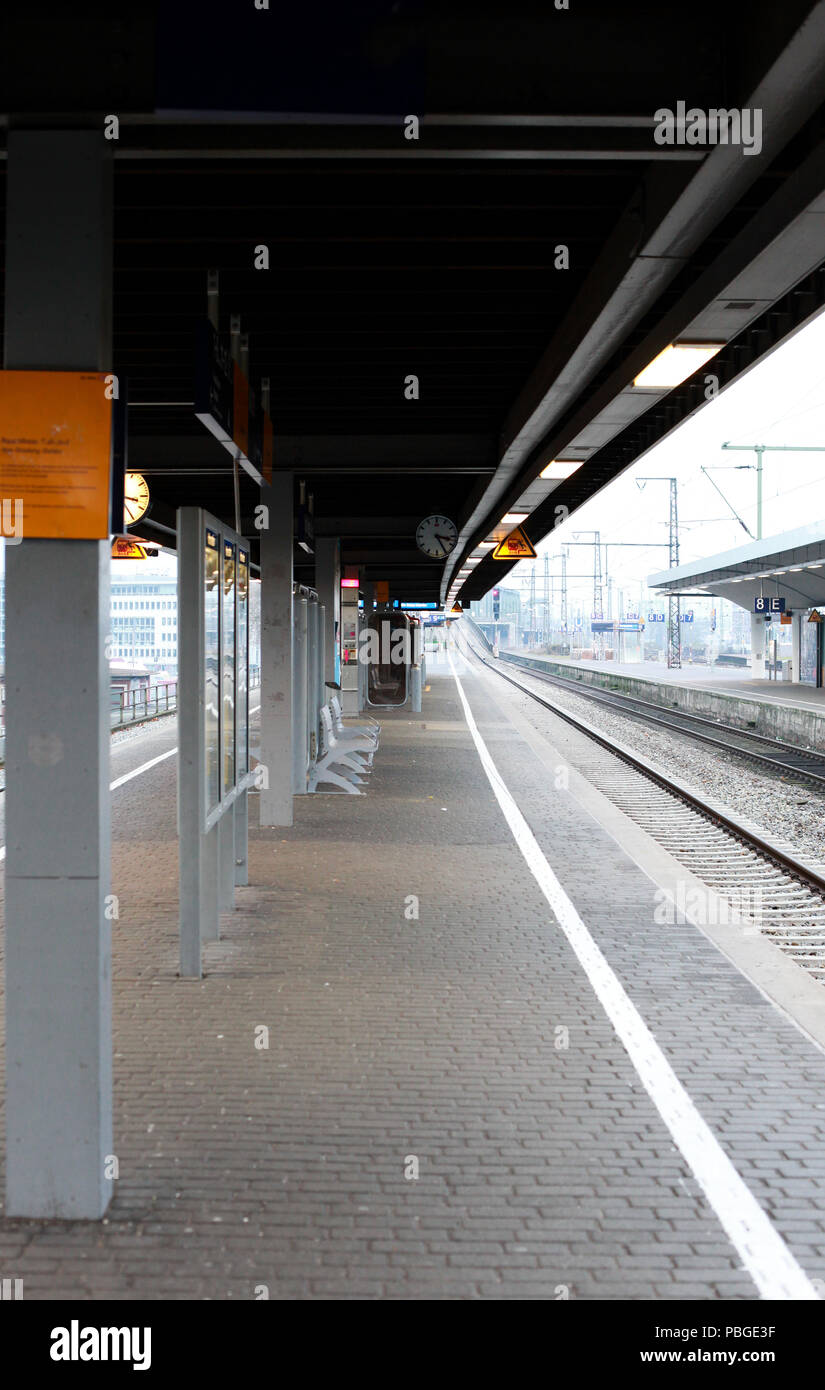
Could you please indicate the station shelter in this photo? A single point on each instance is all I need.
(778, 580)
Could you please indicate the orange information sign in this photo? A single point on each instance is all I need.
(382, 591)
(124, 548)
(56, 451)
(516, 546)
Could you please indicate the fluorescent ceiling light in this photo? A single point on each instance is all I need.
(817, 566)
(486, 545)
(676, 364)
(513, 518)
(561, 468)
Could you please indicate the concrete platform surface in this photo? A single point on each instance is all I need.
(727, 679)
(424, 1014)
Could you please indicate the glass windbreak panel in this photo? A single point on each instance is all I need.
(211, 608)
(228, 666)
(386, 649)
(242, 681)
(808, 651)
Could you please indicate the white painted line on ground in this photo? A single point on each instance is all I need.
(764, 1253)
(128, 776)
(144, 767)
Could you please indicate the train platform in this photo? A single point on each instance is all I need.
(441, 1050)
(778, 708)
(725, 678)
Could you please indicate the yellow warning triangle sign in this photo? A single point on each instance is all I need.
(456, 608)
(815, 617)
(123, 548)
(516, 546)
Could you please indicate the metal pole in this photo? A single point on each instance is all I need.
(275, 800)
(197, 855)
(299, 698)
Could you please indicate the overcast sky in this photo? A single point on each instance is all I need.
(780, 401)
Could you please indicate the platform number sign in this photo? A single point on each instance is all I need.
(655, 617)
(687, 617)
(768, 605)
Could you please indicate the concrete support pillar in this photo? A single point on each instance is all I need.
(58, 290)
(758, 641)
(275, 801)
(796, 644)
(328, 584)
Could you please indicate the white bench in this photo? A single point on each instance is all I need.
(344, 757)
(371, 730)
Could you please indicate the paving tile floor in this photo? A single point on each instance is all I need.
(416, 992)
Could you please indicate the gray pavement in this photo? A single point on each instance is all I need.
(544, 1170)
(728, 680)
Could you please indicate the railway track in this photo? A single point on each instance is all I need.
(766, 886)
(803, 764)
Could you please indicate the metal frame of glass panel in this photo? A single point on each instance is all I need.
(213, 725)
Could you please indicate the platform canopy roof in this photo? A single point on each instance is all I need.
(524, 258)
(789, 566)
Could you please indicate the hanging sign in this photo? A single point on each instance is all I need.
(124, 548)
(768, 605)
(222, 400)
(516, 546)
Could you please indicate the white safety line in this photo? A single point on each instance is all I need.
(144, 767)
(760, 1246)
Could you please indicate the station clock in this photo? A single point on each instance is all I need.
(135, 498)
(436, 536)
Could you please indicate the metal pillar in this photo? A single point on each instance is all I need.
(314, 656)
(198, 855)
(674, 607)
(275, 801)
(328, 584)
(226, 860)
(564, 619)
(240, 813)
(321, 689)
(299, 697)
(58, 288)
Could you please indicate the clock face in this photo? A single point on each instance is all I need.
(135, 497)
(436, 536)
